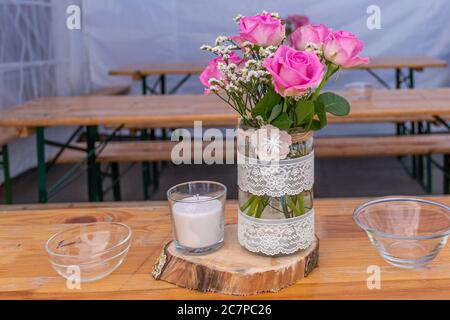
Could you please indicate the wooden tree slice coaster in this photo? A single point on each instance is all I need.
(234, 270)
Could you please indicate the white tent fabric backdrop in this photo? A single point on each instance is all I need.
(142, 31)
(40, 57)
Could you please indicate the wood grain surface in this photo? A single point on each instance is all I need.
(174, 111)
(345, 255)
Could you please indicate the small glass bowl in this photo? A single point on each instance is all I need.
(360, 90)
(407, 232)
(89, 252)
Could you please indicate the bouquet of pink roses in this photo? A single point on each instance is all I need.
(275, 85)
(272, 83)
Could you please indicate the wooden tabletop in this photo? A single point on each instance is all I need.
(417, 63)
(345, 255)
(173, 111)
(136, 71)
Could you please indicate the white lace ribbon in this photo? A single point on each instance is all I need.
(285, 177)
(277, 236)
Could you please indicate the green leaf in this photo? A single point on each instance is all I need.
(264, 107)
(275, 113)
(319, 109)
(304, 112)
(283, 121)
(334, 104)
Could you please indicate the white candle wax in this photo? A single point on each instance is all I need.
(198, 223)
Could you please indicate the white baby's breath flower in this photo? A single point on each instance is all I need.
(313, 47)
(247, 44)
(238, 18)
(232, 67)
(302, 96)
(220, 40)
(214, 89)
(222, 67)
(214, 81)
(206, 47)
(275, 15)
(233, 88)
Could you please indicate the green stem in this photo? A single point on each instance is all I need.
(248, 203)
(259, 210)
(330, 72)
(253, 207)
(285, 208)
(301, 204)
(293, 207)
(262, 205)
(285, 105)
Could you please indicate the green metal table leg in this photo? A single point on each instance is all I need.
(420, 171)
(429, 184)
(6, 175)
(93, 170)
(155, 165)
(411, 78)
(41, 166)
(115, 174)
(144, 85)
(145, 169)
(162, 84)
(413, 158)
(398, 80)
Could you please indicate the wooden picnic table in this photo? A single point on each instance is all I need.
(175, 111)
(140, 72)
(183, 110)
(345, 255)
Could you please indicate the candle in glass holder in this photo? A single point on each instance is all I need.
(197, 211)
(198, 221)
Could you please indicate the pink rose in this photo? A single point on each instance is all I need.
(315, 34)
(342, 49)
(262, 30)
(212, 71)
(294, 72)
(297, 20)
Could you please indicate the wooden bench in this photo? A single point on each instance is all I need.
(382, 146)
(325, 147)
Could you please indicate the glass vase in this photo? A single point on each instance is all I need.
(276, 213)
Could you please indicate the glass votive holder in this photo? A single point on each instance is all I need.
(360, 90)
(197, 212)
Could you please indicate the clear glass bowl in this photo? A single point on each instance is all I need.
(407, 232)
(89, 252)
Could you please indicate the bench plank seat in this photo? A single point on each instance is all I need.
(325, 147)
